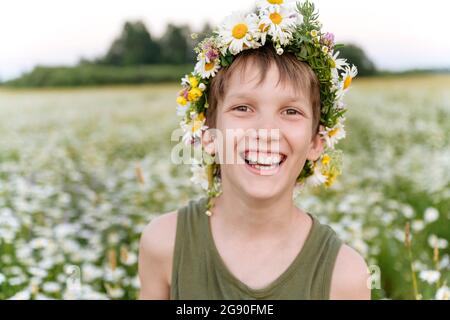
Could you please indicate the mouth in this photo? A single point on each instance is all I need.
(263, 163)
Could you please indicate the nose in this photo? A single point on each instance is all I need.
(266, 135)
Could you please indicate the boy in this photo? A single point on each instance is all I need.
(254, 243)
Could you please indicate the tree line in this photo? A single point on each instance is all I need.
(136, 56)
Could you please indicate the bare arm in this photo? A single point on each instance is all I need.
(350, 279)
(155, 257)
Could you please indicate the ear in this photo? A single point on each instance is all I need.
(316, 146)
(208, 142)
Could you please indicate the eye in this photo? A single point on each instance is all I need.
(292, 112)
(242, 108)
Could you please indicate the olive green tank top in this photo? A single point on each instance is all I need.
(199, 272)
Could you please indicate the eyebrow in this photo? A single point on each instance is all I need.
(299, 100)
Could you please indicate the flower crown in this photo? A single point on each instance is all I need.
(289, 27)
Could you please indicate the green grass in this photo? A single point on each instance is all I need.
(95, 75)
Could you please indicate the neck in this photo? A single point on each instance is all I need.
(255, 217)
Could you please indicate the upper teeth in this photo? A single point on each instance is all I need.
(256, 158)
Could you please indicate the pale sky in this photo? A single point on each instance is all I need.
(395, 34)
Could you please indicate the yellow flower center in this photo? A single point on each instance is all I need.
(347, 82)
(239, 31)
(331, 177)
(209, 66)
(275, 1)
(326, 159)
(263, 28)
(333, 132)
(276, 18)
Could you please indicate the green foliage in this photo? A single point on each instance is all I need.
(356, 55)
(177, 45)
(135, 46)
(98, 75)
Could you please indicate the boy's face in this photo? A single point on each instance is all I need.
(282, 148)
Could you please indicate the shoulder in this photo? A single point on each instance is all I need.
(156, 248)
(350, 278)
(158, 236)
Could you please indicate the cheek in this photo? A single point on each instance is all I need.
(298, 138)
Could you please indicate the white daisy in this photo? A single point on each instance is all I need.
(333, 135)
(206, 68)
(430, 276)
(443, 293)
(266, 4)
(279, 23)
(349, 74)
(199, 175)
(347, 77)
(430, 215)
(317, 178)
(181, 110)
(239, 32)
(337, 64)
(193, 129)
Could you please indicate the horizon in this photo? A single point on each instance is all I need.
(401, 42)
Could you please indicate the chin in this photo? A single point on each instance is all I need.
(262, 190)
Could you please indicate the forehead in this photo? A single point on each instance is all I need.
(252, 75)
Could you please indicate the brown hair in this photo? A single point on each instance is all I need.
(289, 67)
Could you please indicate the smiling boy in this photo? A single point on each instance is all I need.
(254, 242)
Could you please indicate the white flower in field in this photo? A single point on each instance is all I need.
(430, 276)
(22, 295)
(434, 241)
(431, 214)
(114, 275)
(136, 282)
(419, 266)
(16, 281)
(445, 262)
(91, 272)
(129, 259)
(443, 293)
(113, 238)
(39, 243)
(2, 278)
(51, 287)
(38, 272)
(399, 234)
(9, 225)
(64, 230)
(408, 211)
(239, 32)
(417, 225)
(115, 293)
(279, 23)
